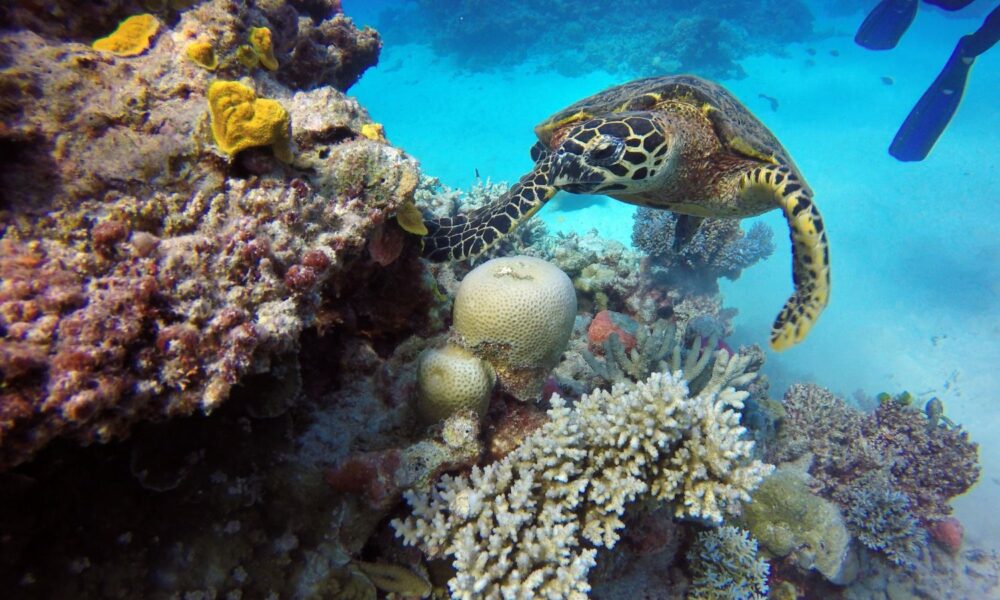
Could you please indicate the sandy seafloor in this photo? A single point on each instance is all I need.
(915, 249)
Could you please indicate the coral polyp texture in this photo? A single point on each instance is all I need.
(132, 37)
(517, 313)
(530, 524)
(143, 276)
(241, 120)
(451, 379)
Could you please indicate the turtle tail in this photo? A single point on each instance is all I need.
(810, 254)
(468, 235)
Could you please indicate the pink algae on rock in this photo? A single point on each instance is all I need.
(143, 276)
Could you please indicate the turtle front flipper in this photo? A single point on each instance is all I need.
(468, 235)
(810, 250)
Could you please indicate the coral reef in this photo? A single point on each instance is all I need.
(516, 313)
(789, 520)
(530, 523)
(241, 120)
(699, 36)
(881, 519)
(144, 272)
(930, 465)
(451, 379)
(719, 248)
(725, 564)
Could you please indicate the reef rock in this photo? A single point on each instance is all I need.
(144, 270)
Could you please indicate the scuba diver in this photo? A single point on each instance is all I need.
(882, 29)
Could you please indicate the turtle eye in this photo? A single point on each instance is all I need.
(606, 150)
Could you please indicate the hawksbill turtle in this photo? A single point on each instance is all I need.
(679, 143)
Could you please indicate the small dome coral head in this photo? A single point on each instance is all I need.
(677, 143)
(517, 313)
(452, 379)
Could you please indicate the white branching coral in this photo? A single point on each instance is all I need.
(528, 526)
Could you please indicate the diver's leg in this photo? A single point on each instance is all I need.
(932, 113)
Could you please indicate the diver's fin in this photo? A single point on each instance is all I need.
(932, 113)
(885, 24)
(684, 230)
(810, 251)
(471, 234)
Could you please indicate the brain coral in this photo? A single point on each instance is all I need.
(517, 313)
(451, 379)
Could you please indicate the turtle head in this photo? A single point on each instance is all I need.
(605, 155)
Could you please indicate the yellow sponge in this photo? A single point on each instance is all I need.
(516, 312)
(202, 54)
(241, 120)
(260, 39)
(451, 379)
(131, 38)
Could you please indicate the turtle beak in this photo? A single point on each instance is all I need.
(572, 174)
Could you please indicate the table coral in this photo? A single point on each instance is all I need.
(529, 525)
(132, 37)
(241, 120)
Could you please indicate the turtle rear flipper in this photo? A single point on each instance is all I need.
(471, 234)
(810, 251)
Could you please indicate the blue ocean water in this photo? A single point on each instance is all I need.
(914, 247)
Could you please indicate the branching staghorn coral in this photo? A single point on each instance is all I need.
(880, 517)
(530, 524)
(725, 564)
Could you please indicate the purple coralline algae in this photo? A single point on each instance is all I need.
(145, 272)
(930, 465)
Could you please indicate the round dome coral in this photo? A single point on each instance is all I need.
(452, 379)
(516, 312)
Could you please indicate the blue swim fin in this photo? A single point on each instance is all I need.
(934, 110)
(885, 24)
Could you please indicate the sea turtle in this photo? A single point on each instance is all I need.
(679, 143)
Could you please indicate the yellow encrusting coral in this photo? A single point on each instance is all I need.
(132, 37)
(241, 120)
(263, 47)
(202, 54)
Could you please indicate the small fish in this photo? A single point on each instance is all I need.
(811, 51)
(834, 52)
(772, 101)
(888, 80)
(477, 172)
